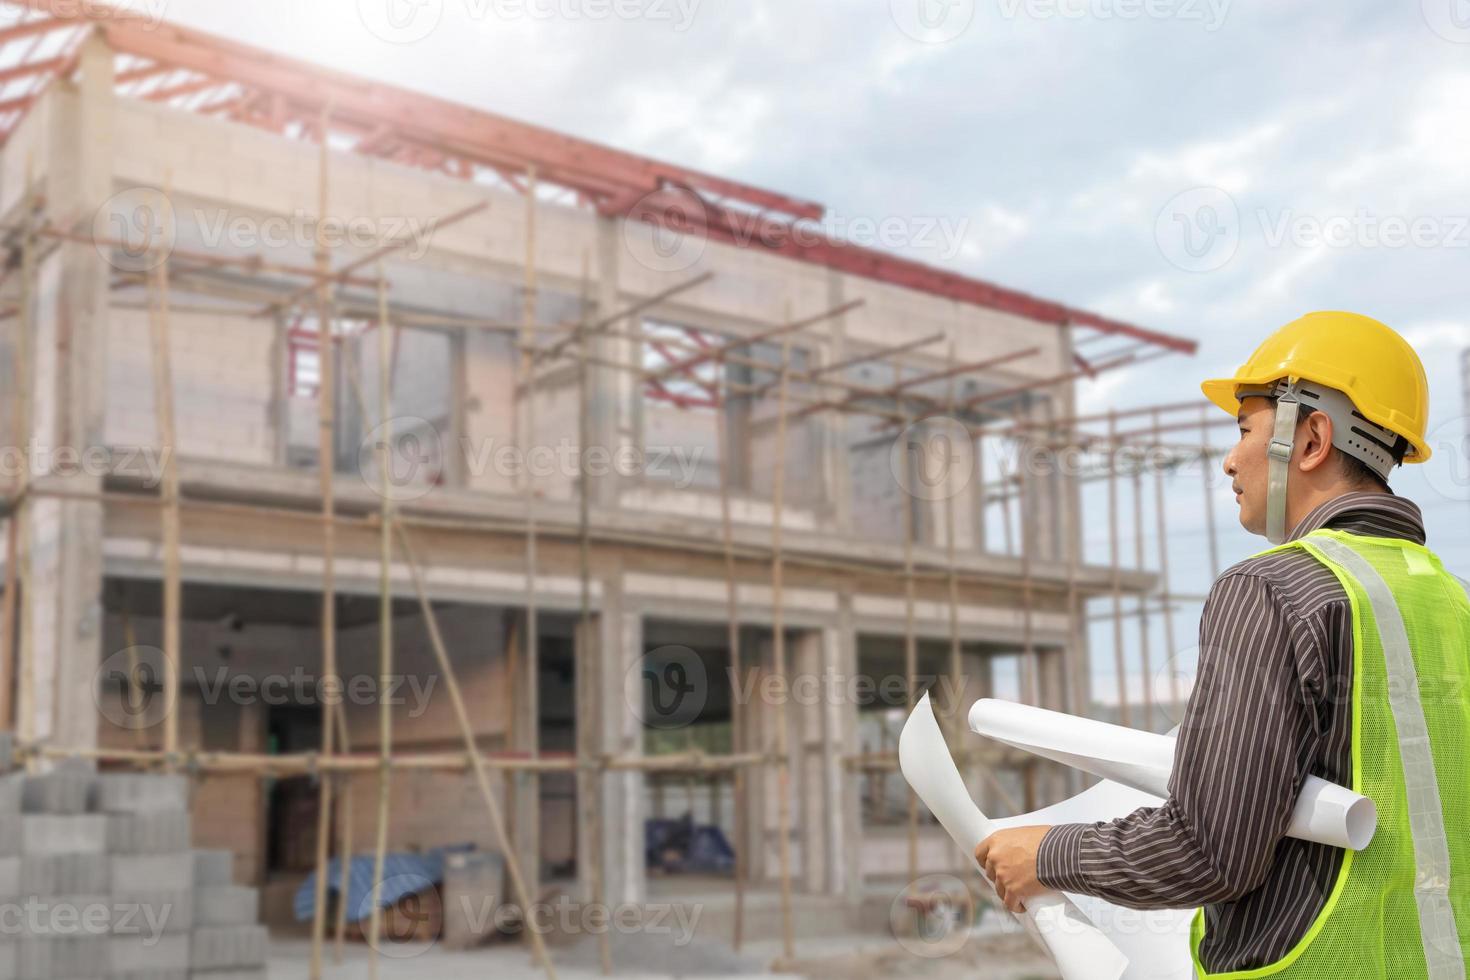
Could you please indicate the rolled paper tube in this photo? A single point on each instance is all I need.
(1081, 950)
(1325, 813)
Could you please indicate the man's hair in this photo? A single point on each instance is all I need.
(1357, 472)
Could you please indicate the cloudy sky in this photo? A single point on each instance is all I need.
(1211, 168)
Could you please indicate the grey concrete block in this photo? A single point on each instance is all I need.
(259, 973)
(12, 791)
(220, 947)
(10, 830)
(141, 792)
(65, 874)
(152, 872)
(7, 751)
(226, 905)
(149, 833)
(10, 876)
(156, 975)
(147, 954)
(65, 790)
(84, 833)
(153, 912)
(44, 958)
(214, 868)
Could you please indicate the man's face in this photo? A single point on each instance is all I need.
(1246, 463)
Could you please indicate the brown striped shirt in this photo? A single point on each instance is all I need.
(1271, 705)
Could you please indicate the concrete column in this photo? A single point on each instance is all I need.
(847, 874)
(838, 739)
(525, 787)
(65, 536)
(617, 644)
(807, 726)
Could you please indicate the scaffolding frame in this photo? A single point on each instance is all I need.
(190, 70)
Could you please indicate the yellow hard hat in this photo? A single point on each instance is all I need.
(1364, 359)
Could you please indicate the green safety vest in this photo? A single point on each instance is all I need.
(1400, 907)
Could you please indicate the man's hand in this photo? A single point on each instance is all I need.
(1009, 860)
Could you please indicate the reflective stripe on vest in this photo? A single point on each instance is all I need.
(1437, 929)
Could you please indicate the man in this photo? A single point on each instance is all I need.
(1341, 653)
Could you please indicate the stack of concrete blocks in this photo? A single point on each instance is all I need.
(97, 880)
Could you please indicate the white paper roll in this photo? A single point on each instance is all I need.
(1081, 950)
(1325, 813)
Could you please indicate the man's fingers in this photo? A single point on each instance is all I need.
(982, 850)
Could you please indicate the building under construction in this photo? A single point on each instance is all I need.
(409, 475)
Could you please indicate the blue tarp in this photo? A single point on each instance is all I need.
(681, 845)
(404, 874)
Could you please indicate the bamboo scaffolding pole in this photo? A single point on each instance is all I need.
(1165, 593)
(477, 761)
(737, 667)
(1071, 422)
(26, 666)
(326, 461)
(934, 404)
(385, 621)
(312, 763)
(1144, 627)
(582, 328)
(163, 411)
(525, 403)
(344, 879)
(1204, 471)
(1026, 512)
(782, 330)
(1117, 586)
(778, 640)
(589, 717)
(910, 640)
(184, 256)
(326, 276)
(19, 422)
(951, 533)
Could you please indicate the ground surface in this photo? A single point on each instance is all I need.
(855, 957)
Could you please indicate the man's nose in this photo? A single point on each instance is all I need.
(1228, 464)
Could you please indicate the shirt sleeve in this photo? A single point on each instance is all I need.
(1235, 778)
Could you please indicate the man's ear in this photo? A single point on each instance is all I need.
(1316, 439)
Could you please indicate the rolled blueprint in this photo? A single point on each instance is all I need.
(1325, 813)
(1080, 949)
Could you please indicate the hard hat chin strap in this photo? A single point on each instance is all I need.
(1278, 463)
